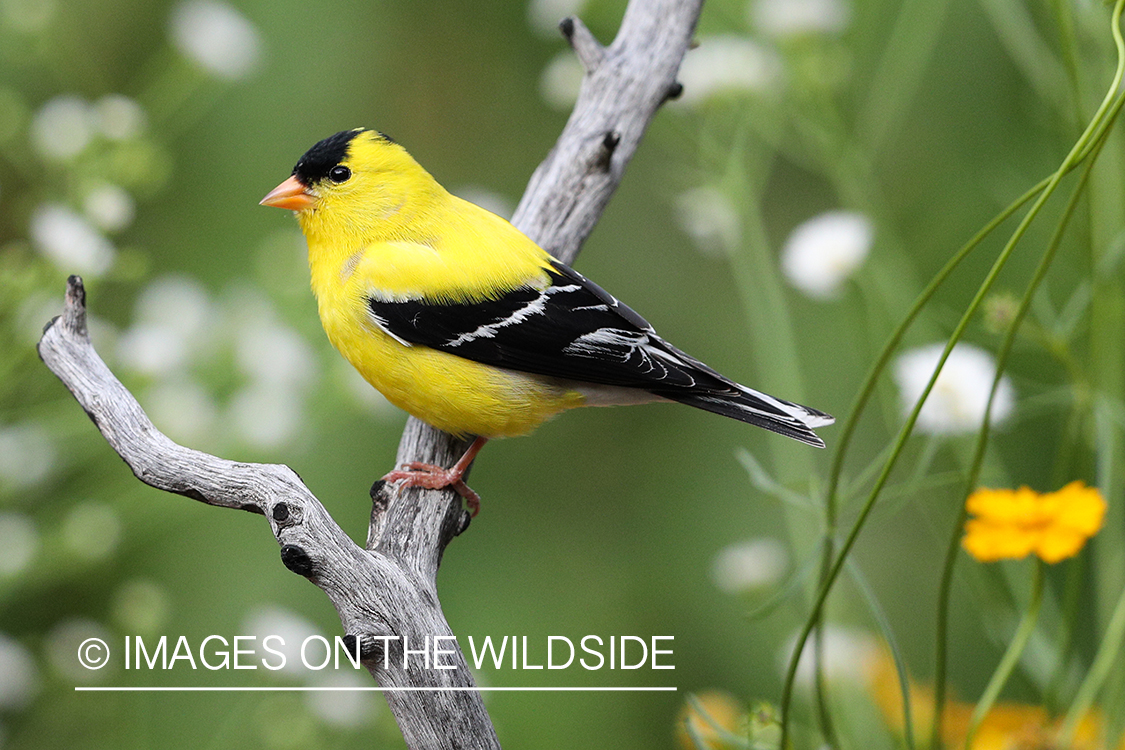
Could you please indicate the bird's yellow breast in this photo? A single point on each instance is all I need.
(449, 392)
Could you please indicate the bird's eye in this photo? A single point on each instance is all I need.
(339, 174)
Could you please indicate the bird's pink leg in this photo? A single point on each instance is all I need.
(430, 477)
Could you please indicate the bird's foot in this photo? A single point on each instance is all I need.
(430, 477)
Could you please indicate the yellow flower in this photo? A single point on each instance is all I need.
(722, 714)
(1011, 524)
(1008, 726)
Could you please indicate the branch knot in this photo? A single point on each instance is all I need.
(297, 560)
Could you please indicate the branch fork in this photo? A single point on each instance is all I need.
(385, 592)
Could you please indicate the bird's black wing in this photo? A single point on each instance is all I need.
(571, 329)
(574, 329)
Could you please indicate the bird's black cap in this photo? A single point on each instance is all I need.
(318, 160)
(314, 165)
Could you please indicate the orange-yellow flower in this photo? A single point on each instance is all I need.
(1011, 524)
(721, 716)
(1008, 726)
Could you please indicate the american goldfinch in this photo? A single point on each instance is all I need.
(460, 319)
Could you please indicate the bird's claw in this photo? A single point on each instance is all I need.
(430, 477)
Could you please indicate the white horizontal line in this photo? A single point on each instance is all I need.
(321, 689)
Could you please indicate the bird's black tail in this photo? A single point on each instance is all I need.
(763, 410)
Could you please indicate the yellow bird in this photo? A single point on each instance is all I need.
(458, 318)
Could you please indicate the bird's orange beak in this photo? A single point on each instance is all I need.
(290, 194)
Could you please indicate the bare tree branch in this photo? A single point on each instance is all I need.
(386, 594)
(384, 602)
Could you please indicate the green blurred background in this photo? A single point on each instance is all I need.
(140, 135)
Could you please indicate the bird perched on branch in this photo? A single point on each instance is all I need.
(461, 320)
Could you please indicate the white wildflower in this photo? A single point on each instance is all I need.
(707, 216)
(119, 118)
(275, 354)
(290, 631)
(823, 252)
(726, 64)
(62, 128)
(109, 207)
(182, 409)
(71, 242)
(847, 652)
(151, 349)
(173, 320)
(267, 415)
(786, 18)
(19, 677)
(346, 709)
(92, 530)
(749, 565)
(957, 402)
(217, 37)
(180, 303)
(560, 81)
(19, 538)
(27, 454)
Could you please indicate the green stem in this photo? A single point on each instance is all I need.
(1100, 670)
(1011, 656)
(824, 713)
(767, 311)
(945, 588)
(1098, 125)
(896, 451)
(1104, 448)
(847, 429)
(896, 652)
(1076, 572)
(772, 323)
(1084, 145)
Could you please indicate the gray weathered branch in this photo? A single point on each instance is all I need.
(386, 594)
